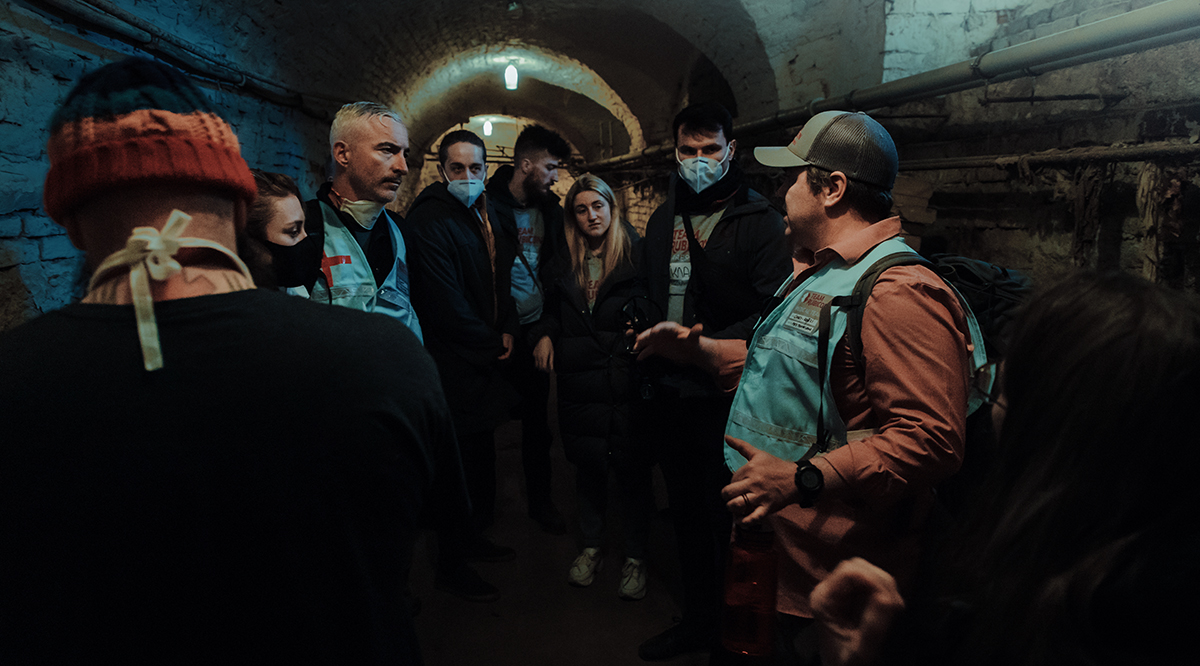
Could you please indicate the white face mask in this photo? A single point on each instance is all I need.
(702, 173)
(364, 212)
(466, 191)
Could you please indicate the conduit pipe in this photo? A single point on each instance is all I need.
(1162, 24)
(138, 32)
(1138, 153)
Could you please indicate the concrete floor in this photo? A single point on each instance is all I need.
(541, 620)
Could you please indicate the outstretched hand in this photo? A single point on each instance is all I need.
(855, 606)
(670, 340)
(764, 485)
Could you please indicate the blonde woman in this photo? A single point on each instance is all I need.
(582, 338)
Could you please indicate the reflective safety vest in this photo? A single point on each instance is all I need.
(781, 392)
(349, 281)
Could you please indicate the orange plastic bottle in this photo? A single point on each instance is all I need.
(748, 623)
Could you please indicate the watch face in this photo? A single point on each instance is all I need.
(810, 478)
(809, 483)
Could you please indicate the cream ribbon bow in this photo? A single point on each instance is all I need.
(150, 255)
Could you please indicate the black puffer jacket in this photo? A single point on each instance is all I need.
(592, 358)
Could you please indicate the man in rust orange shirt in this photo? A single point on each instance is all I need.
(840, 454)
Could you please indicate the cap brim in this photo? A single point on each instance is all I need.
(778, 156)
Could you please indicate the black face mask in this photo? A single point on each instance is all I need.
(295, 265)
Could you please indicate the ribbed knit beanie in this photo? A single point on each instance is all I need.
(133, 122)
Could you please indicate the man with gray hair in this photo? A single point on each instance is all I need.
(364, 259)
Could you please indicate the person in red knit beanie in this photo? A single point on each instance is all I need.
(162, 499)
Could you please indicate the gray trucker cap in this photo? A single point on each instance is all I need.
(850, 142)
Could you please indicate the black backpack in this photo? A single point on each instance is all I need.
(994, 295)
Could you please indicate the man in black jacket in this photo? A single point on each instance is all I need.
(713, 254)
(460, 280)
(529, 219)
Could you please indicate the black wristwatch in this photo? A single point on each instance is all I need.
(809, 481)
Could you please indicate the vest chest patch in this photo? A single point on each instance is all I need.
(806, 314)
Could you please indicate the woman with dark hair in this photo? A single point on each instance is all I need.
(582, 338)
(1083, 545)
(279, 252)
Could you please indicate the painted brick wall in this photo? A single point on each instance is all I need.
(639, 199)
(40, 60)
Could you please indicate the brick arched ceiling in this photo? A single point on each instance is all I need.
(625, 64)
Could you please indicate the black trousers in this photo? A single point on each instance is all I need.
(534, 387)
(688, 436)
(478, 451)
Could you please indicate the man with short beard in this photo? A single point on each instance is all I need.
(364, 259)
(529, 218)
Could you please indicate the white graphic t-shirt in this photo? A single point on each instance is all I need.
(681, 259)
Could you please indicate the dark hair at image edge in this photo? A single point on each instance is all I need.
(1095, 478)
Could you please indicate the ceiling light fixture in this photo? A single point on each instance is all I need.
(487, 128)
(510, 76)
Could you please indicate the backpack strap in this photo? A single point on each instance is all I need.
(856, 303)
(983, 372)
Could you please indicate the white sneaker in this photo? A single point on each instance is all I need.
(584, 568)
(633, 580)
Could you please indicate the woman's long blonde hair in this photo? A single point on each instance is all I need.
(617, 243)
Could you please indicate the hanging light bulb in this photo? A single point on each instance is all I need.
(510, 76)
(487, 128)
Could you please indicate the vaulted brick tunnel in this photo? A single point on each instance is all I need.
(609, 78)
(1040, 135)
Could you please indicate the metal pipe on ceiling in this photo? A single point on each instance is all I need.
(1037, 70)
(1138, 153)
(1162, 24)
